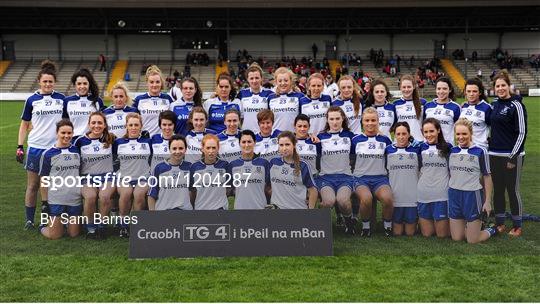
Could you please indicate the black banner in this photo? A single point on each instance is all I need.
(220, 233)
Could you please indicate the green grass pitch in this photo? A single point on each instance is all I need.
(376, 269)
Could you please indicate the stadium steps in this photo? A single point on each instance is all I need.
(333, 65)
(117, 73)
(223, 68)
(27, 78)
(4, 65)
(10, 78)
(454, 73)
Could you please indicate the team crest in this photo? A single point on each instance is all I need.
(346, 140)
(478, 113)
(258, 169)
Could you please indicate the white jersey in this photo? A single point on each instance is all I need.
(446, 113)
(370, 152)
(308, 153)
(116, 119)
(209, 182)
(335, 151)
(64, 163)
(160, 150)
(406, 112)
(467, 165)
(134, 157)
(229, 146)
(78, 109)
(267, 147)
(402, 165)
(175, 93)
(95, 158)
(355, 121)
(387, 118)
(194, 144)
(316, 110)
(251, 104)
(434, 175)
(285, 107)
(254, 177)
(288, 189)
(150, 107)
(172, 190)
(479, 115)
(43, 111)
(331, 90)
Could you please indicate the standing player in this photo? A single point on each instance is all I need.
(172, 188)
(335, 180)
(197, 122)
(507, 151)
(41, 112)
(285, 103)
(224, 100)
(134, 155)
(410, 106)
(96, 162)
(477, 110)
(387, 112)
(402, 165)
(349, 100)
(315, 104)
(305, 146)
(191, 97)
(154, 102)
(62, 160)
(229, 139)
(443, 108)
(160, 142)
(267, 143)
(208, 177)
(290, 177)
(86, 101)
(433, 181)
(255, 175)
(466, 201)
(370, 173)
(253, 99)
(117, 112)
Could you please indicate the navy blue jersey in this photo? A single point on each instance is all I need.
(182, 109)
(216, 110)
(508, 127)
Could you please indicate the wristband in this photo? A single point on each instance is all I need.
(20, 147)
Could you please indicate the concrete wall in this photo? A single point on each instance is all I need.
(153, 46)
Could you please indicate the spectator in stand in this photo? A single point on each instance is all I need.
(474, 56)
(315, 50)
(302, 84)
(479, 73)
(102, 62)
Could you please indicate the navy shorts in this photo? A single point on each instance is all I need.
(57, 210)
(33, 159)
(407, 215)
(465, 205)
(373, 182)
(335, 181)
(433, 211)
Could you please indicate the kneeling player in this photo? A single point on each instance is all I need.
(291, 177)
(170, 188)
(62, 162)
(468, 164)
(402, 166)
